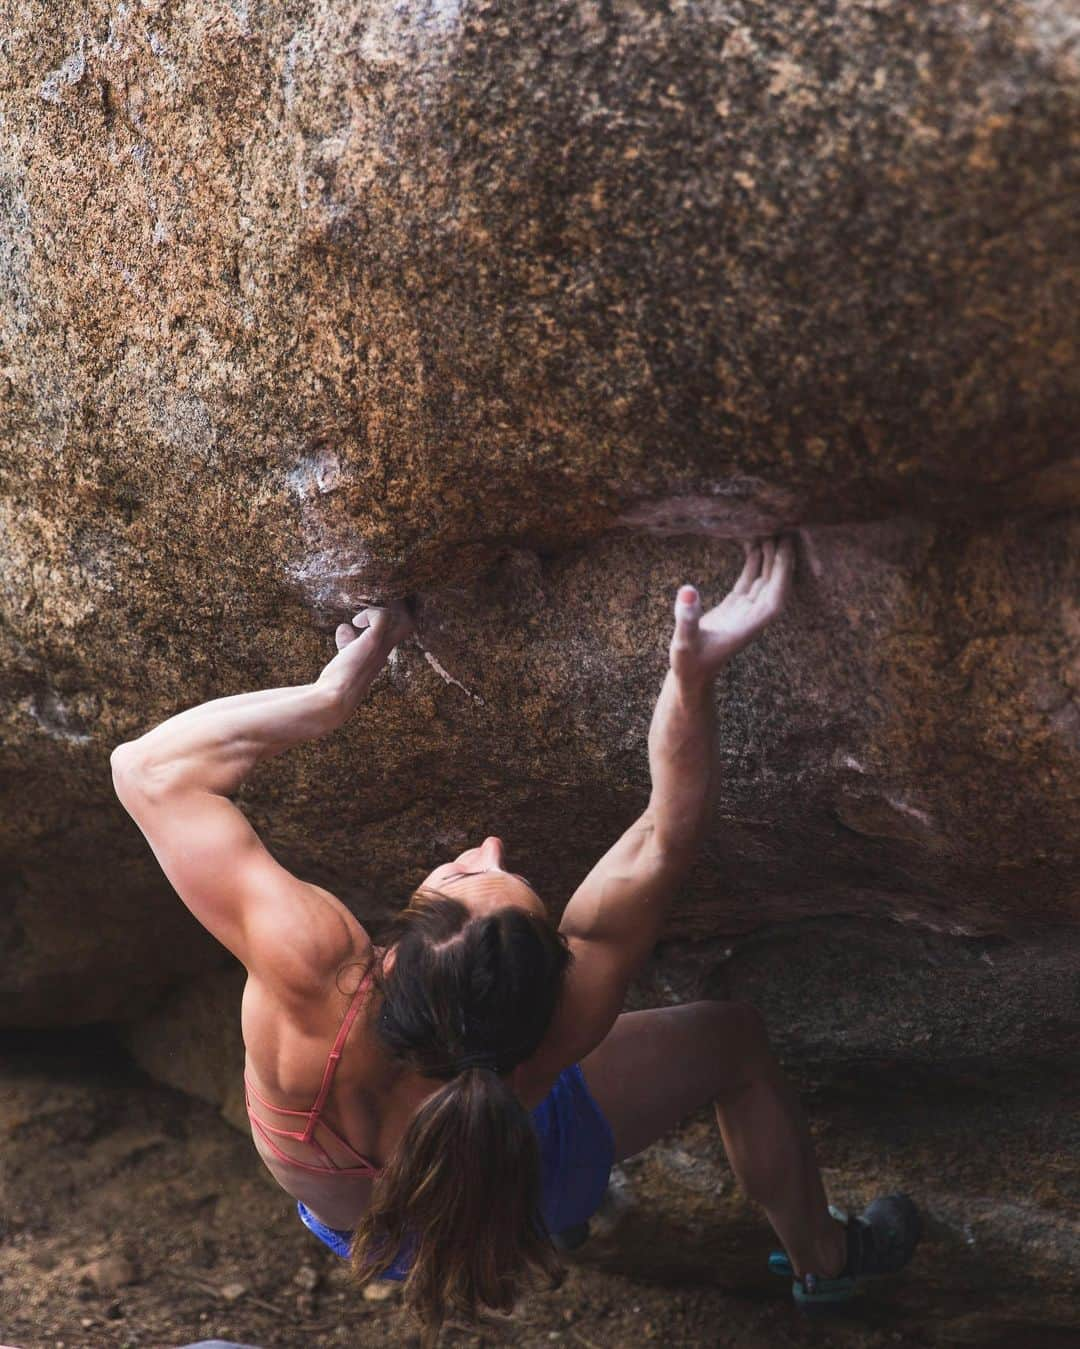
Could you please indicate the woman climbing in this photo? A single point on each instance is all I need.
(461, 1102)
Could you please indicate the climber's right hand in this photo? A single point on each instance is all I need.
(364, 645)
(391, 625)
(703, 643)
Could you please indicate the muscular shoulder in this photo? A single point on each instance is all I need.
(343, 936)
(315, 979)
(285, 1022)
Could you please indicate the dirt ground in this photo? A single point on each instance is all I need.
(132, 1215)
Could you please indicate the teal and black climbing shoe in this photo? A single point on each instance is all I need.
(880, 1240)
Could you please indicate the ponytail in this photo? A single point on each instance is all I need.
(461, 1196)
(466, 1000)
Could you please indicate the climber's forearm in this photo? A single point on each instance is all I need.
(681, 759)
(216, 745)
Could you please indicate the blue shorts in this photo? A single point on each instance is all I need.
(576, 1155)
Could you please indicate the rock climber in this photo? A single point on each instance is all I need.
(450, 1117)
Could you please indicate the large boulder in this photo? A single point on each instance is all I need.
(530, 311)
(386, 287)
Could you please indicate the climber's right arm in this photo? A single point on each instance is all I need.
(616, 915)
(623, 901)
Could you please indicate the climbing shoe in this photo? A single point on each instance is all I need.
(880, 1240)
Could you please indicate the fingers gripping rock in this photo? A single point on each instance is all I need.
(687, 612)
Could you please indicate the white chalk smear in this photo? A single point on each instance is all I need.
(321, 472)
(443, 674)
(54, 718)
(71, 72)
(904, 808)
(816, 565)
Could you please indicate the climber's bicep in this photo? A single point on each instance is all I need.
(611, 925)
(285, 931)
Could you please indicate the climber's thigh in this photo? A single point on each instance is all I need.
(656, 1067)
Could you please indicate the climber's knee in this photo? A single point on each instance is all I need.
(742, 1023)
(741, 1033)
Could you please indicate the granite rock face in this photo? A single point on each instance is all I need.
(348, 277)
(530, 311)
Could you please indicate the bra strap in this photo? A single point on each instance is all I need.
(334, 1057)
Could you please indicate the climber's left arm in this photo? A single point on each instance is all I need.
(283, 930)
(175, 782)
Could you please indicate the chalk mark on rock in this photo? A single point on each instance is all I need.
(449, 678)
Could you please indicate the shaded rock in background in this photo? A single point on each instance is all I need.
(192, 1041)
(845, 996)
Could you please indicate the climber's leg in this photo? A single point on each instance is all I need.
(659, 1066)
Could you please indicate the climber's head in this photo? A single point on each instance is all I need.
(472, 973)
(479, 879)
(471, 966)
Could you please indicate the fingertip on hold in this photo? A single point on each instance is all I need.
(687, 595)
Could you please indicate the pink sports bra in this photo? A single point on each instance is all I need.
(365, 1167)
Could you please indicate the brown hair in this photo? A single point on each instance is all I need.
(466, 1000)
